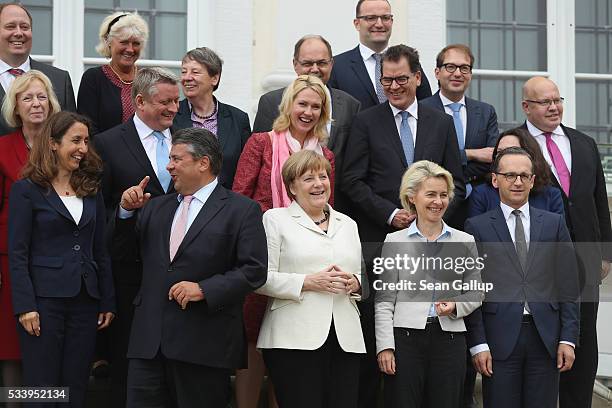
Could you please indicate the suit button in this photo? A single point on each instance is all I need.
(82, 262)
(77, 247)
(169, 269)
(75, 233)
(84, 275)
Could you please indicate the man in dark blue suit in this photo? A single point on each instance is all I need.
(203, 250)
(357, 71)
(526, 330)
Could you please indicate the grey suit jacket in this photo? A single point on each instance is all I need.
(62, 85)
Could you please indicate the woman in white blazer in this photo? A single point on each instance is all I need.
(311, 335)
(420, 333)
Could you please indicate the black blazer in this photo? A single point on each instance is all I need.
(125, 164)
(350, 75)
(225, 251)
(481, 131)
(374, 164)
(549, 284)
(62, 85)
(100, 100)
(233, 130)
(586, 209)
(50, 255)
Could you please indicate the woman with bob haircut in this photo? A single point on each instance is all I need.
(420, 333)
(61, 279)
(105, 91)
(26, 106)
(311, 335)
(301, 125)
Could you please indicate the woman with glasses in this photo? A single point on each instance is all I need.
(302, 124)
(200, 78)
(544, 195)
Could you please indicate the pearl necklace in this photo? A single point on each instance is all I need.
(119, 76)
(325, 218)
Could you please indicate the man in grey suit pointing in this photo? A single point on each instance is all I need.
(313, 56)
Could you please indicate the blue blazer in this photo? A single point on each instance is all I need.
(50, 255)
(485, 198)
(549, 283)
(350, 75)
(481, 131)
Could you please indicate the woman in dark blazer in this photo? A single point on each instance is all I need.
(61, 279)
(200, 77)
(543, 196)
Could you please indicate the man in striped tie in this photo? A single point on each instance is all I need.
(575, 162)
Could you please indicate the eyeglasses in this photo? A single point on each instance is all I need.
(450, 68)
(545, 103)
(319, 63)
(511, 177)
(400, 80)
(371, 19)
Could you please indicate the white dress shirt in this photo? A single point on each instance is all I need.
(74, 205)
(6, 79)
(562, 142)
(462, 112)
(149, 141)
(369, 61)
(199, 199)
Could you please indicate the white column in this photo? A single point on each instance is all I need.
(68, 32)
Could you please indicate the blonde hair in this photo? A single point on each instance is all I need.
(127, 25)
(19, 85)
(283, 122)
(416, 174)
(301, 162)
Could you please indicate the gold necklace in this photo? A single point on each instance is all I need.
(119, 76)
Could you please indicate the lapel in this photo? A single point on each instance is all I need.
(213, 205)
(423, 126)
(535, 231)
(89, 210)
(438, 102)
(299, 216)
(53, 199)
(575, 171)
(498, 222)
(182, 119)
(388, 129)
(335, 222)
(337, 104)
(134, 145)
(473, 118)
(224, 125)
(20, 149)
(361, 73)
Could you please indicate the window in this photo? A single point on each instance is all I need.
(42, 26)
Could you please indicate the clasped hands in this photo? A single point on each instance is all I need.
(332, 280)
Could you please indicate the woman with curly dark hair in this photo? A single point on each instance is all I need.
(61, 279)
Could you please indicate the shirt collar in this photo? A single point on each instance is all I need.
(413, 109)
(145, 131)
(25, 67)
(366, 52)
(507, 210)
(537, 132)
(414, 230)
(203, 193)
(446, 101)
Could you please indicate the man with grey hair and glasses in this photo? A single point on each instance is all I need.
(130, 151)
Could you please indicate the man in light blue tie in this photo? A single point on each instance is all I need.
(475, 121)
(131, 151)
(385, 140)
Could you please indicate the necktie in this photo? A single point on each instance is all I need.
(180, 226)
(161, 156)
(558, 162)
(16, 72)
(377, 74)
(456, 108)
(520, 243)
(406, 138)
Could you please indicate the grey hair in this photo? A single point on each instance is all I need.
(147, 78)
(128, 25)
(208, 59)
(201, 142)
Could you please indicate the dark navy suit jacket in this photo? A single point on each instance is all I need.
(350, 75)
(52, 256)
(549, 283)
(485, 198)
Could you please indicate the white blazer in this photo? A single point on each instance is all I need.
(297, 247)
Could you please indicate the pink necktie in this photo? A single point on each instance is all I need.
(180, 226)
(559, 163)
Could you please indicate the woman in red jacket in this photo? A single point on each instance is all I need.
(28, 103)
(301, 124)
